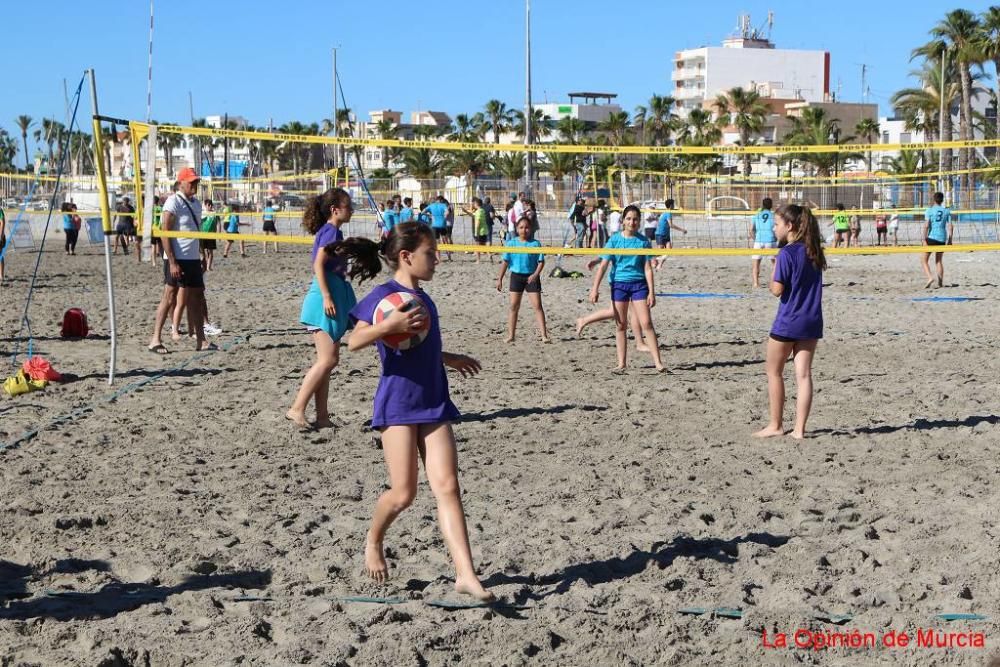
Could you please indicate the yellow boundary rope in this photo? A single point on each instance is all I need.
(552, 250)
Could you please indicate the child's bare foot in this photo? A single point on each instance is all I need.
(768, 432)
(471, 586)
(375, 562)
(641, 347)
(508, 339)
(324, 423)
(929, 284)
(546, 339)
(618, 370)
(661, 369)
(298, 418)
(579, 326)
(798, 435)
(940, 282)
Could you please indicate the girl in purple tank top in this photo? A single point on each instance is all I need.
(798, 282)
(413, 409)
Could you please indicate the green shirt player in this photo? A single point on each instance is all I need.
(841, 227)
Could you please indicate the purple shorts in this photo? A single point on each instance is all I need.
(633, 290)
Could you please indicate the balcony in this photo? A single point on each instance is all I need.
(686, 73)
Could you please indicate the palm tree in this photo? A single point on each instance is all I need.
(167, 142)
(908, 162)
(639, 118)
(470, 164)
(615, 127)
(961, 31)
(700, 129)
(8, 150)
(510, 165)
(541, 124)
(421, 163)
(292, 150)
(570, 130)
(661, 120)
(815, 128)
(50, 133)
(744, 110)
(498, 118)
(560, 165)
(23, 123)
(989, 48)
(464, 130)
(868, 129)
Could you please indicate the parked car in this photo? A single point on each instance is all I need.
(11, 202)
(39, 205)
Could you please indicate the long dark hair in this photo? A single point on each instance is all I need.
(362, 255)
(805, 228)
(318, 208)
(405, 236)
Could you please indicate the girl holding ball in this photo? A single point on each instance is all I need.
(413, 409)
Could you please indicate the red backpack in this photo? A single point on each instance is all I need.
(74, 324)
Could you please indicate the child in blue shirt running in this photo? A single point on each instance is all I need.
(631, 283)
(525, 276)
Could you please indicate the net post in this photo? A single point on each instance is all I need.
(102, 184)
(150, 194)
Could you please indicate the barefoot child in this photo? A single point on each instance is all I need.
(412, 407)
(798, 282)
(631, 284)
(525, 276)
(330, 298)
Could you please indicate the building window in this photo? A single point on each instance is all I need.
(885, 137)
(905, 137)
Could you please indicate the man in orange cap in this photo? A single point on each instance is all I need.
(182, 277)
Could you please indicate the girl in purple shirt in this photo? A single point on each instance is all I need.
(412, 407)
(330, 297)
(798, 281)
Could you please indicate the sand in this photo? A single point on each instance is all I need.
(188, 523)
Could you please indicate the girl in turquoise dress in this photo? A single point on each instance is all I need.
(330, 297)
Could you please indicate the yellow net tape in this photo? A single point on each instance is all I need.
(569, 148)
(551, 250)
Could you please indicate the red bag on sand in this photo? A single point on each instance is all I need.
(74, 324)
(38, 368)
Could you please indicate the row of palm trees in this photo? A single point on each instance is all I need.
(951, 75)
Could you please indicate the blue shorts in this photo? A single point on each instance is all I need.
(662, 239)
(633, 290)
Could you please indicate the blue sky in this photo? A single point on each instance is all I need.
(246, 58)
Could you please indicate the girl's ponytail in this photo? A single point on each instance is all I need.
(363, 257)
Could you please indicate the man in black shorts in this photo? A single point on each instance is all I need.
(182, 277)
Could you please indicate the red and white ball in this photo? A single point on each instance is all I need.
(391, 303)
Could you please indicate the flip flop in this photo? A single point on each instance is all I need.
(211, 347)
(158, 349)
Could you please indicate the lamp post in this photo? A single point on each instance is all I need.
(528, 163)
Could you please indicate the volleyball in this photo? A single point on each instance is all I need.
(387, 306)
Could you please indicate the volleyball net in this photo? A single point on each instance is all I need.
(280, 171)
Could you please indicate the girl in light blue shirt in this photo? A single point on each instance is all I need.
(525, 276)
(631, 283)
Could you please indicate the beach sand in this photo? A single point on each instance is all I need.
(187, 522)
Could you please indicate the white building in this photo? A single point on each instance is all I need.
(591, 111)
(749, 61)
